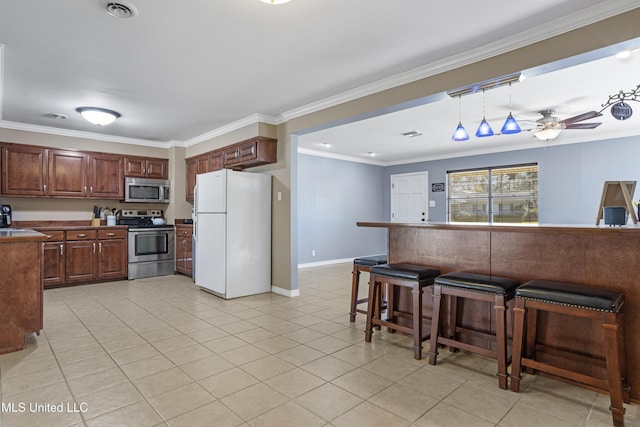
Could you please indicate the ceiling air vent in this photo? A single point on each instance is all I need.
(121, 10)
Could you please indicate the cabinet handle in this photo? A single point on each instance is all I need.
(49, 236)
(44, 187)
(91, 189)
(85, 189)
(94, 247)
(111, 234)
(61, 249)
(99, 247)
(81, 235)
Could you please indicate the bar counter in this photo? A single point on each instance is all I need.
(601, 256)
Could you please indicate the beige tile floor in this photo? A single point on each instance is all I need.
(159, 352)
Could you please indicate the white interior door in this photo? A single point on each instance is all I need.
(409, 197)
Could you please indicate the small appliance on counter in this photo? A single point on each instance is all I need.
(151, 243)
(5, 216)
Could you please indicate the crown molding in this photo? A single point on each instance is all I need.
(550, 29)
(81, 134)
(230, 127)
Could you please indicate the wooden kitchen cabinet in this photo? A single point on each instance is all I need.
(184, 249)
(242, 155)
(38, 171)
(112, 254)
(146, 167)
(53, 272)
(24, 170)
(252, 152)
(209, 162)
(80, 256)
(106, 176)
(68, 174)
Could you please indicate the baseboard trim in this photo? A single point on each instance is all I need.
(285, 292)
(327, 262)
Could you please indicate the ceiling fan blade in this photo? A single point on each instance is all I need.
(582, 125)
(581, 117)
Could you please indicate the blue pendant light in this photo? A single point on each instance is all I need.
(484, 129)
(460, 133)
(510, 125)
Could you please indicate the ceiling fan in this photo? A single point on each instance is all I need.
(549, 127)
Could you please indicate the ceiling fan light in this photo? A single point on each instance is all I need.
(484, 129)
(510, 126)
(460, 134)
(548, 134)
(98, 116)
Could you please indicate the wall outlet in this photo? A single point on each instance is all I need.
(313, 252)
(279, 196)
(432, 203)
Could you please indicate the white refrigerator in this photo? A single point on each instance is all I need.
(232, 233)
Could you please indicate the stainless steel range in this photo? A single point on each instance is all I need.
(151, 246)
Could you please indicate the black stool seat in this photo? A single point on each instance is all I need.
(478, 282)
(411, 272)
(370, 261)
(572, 294)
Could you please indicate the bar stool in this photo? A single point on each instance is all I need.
(570, 299)
(492, 289)
(415, 277)
(359, 265)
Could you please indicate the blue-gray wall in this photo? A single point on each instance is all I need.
(570, 177)
(334, 194)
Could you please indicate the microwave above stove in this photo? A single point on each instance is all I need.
(145, 190)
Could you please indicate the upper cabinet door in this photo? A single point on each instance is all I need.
(24, 171)
(143, 167)
(68, 171)
(106, 176)
(158, 168)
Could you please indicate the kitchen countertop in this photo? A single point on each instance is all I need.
(20, 235)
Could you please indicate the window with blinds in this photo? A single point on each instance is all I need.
(506, 194)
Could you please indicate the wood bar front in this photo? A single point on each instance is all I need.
(605, 257)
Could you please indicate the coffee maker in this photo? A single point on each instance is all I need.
(5, 216)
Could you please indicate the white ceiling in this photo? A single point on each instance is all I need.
(181, 71)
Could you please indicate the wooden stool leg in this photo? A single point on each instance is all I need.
(417, 321)
(378, 303)
(391, 305)
(435, 324)
(370, 310)
(626, 387)
(452, 323)
(501, 340)
(531, 330)
(519, 312)
(355, 282)
(611, 339)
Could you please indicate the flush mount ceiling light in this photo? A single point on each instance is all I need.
(98, 116)
(275, 1)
